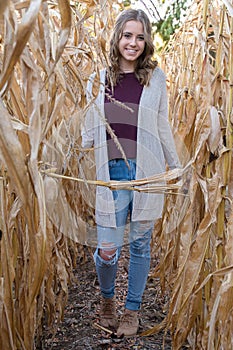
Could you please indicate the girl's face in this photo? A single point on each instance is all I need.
(131, 45)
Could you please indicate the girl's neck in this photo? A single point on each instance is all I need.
(127, 69)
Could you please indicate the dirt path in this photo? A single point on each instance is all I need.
(77, 331)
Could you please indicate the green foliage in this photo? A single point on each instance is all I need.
(126, 3)
(166, 26)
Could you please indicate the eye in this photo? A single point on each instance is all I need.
(127, 35)
(141, 37)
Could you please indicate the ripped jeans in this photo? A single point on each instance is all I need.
(139, 239)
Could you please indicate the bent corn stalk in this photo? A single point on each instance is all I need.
(198, 246)
(46, 57)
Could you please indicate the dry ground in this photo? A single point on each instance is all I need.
(78, 330)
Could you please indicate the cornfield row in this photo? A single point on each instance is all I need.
(48, 49)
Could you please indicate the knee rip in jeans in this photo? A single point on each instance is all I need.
(107, 251)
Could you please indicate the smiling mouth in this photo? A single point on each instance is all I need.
(131, 51)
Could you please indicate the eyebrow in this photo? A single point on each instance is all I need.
(141, 34)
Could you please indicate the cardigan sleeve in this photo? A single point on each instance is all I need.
(164, 129)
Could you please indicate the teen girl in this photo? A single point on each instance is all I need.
(133, 100)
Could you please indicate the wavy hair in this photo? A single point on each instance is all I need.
(145, 65)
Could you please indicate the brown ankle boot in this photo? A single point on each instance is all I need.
(129, 324)
(108, 317)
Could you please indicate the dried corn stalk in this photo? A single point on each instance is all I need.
(195, 236)
(48, 49)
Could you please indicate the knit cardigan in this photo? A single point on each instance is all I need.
(155, 148)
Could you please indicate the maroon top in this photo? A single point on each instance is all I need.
(124, 121)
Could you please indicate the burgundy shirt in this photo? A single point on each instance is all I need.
(123, 121)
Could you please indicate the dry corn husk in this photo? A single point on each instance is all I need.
(195, 254)
(48, 49)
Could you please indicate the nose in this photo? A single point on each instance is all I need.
(133, 41)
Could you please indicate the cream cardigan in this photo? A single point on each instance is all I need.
(155, 148)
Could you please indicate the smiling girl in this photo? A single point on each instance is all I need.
(140, 122)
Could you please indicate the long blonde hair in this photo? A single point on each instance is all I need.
(145, 64)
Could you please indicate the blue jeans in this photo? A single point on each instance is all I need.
(139, 241)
